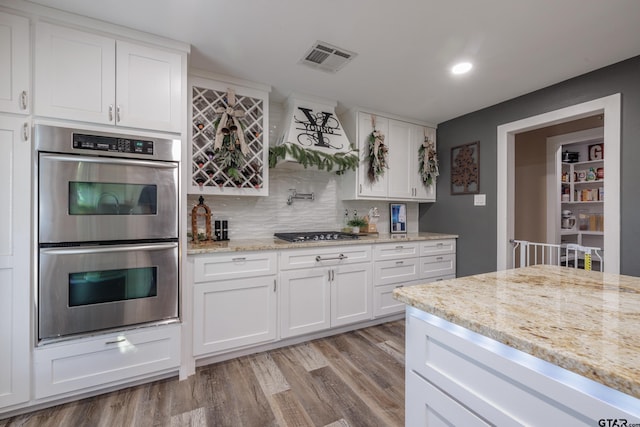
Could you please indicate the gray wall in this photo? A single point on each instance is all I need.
(477, 226)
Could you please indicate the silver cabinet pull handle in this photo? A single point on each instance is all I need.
(118, 113)
(110, 112)
(118, 341)
(340, 257)
(440, 244)
(239, 259)
(399, 262)
(439, 258)
(399, 247)
(274, 285)
(25, 131)
(24, 100)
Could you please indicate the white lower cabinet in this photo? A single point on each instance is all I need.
(234, 313)
(403, 264)
(111, 359)
(335, 291)
(234, 301)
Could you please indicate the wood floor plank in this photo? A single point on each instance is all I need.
(384, 398)
(391, 348)
(268, 374)
(352, 379)
(345, 400)
(195, 418)
(235, 397)
(302, 386)
(289, 411)
(155, 403)
(339, 423)
(308, 356)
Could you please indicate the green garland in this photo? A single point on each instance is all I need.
(306, 157)
(377, 156)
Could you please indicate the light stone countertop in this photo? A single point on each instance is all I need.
(277, 244)
(585, 322)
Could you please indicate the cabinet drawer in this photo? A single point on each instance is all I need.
(232, 266)
(396, 271)
(395, 251)
(437, 247)
(112, 359)
(383, 302)
(321, 256)
(437, 265)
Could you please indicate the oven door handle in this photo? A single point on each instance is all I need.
(112, 161)
(81, 250)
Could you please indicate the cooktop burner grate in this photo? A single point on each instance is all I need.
(315, 236)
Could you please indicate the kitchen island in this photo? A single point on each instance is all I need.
(540, 345)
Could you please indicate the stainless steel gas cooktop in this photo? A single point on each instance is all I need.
(315, 236)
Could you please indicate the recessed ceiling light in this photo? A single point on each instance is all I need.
(461, 68)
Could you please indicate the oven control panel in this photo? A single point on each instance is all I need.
(112, 144)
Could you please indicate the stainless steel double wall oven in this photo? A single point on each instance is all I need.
(107, 230)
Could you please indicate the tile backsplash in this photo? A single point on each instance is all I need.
(260, 217)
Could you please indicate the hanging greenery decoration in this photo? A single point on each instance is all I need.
(342, 162)
(428, 161)
(377, 153)
(230, 146)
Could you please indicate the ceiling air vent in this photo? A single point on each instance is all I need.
(326, 57)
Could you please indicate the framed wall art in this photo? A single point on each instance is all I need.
(397, 218)
(465, 169)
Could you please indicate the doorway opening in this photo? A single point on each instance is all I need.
(607, 107)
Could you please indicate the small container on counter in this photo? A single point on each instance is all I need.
(225, 230)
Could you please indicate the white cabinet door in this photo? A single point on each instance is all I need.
(234, 313)
(305, 303)
(75, 74)
(422, 191)
(351, 294)
(14, 261)
(366, 187)
(401, 180)
(14, 64)
(149, 83)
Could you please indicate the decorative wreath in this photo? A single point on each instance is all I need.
(377, 155)
(428, 161)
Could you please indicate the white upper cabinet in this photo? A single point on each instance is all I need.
(88, 77)
(367, 187)
(422, 191)
(148, 87)
(401, 157)
(14, 64)
(15, 316)
(401, 180)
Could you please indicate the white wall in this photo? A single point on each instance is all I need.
(260, 217)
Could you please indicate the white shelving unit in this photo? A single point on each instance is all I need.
(582, 193)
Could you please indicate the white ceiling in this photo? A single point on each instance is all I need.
(405, 47)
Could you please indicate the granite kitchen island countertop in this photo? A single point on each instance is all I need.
(585, 322)
(276, 244)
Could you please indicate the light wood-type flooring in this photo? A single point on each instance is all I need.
(352, 379)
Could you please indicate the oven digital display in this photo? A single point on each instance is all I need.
(112, 144)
